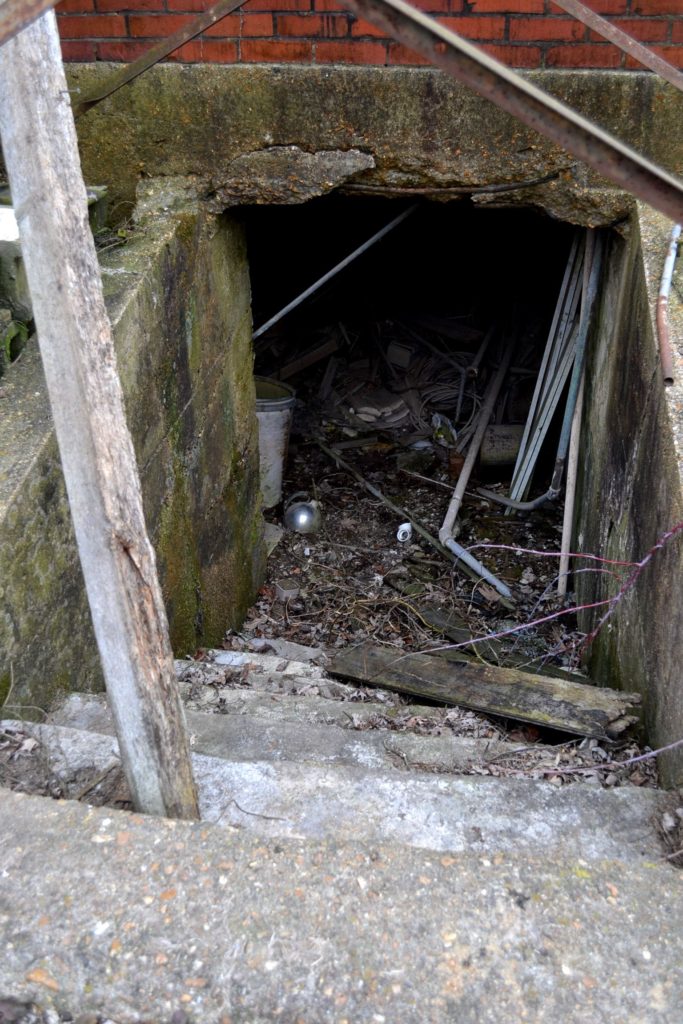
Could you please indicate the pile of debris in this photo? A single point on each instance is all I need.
(462, 386)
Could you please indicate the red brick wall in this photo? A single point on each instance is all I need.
(521, 33)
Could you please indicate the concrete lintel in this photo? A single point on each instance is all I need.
(421, 129)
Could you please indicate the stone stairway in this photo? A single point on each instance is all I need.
(342, 871)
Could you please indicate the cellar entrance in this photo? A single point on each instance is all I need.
(393, 361)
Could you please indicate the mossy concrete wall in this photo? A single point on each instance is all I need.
(420, 128)
(179, 300)
(631, 490)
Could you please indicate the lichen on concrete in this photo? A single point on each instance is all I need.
(178, 297)
(286, 174)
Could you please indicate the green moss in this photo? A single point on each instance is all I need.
(5, 683)
(180, 568)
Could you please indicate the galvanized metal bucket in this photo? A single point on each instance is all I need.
(274, 407)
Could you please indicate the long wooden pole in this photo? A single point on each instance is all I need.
(74, 334)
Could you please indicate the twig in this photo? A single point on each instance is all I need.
(427, 479)
(400, 512)
(96, 781)
(611, 765)
(255, 814)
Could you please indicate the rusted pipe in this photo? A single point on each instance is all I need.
(624, 41)
(665, 352)
(157, 52)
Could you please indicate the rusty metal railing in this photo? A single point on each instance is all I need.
(623, 41)
(509, 91)
(17, 14)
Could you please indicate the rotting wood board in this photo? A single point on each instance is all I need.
(571, 707)
(482, 648)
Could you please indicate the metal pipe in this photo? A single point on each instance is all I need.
(463, 555)
(519, 506)
(446, 531)
(435, 191)
(588, 301)
(570, 492)
(519, 97)
(592, 260)
(335, 270)
(665, 352)
(470, 565)
(473, 368)
(624, 41)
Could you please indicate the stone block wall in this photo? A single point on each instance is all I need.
(520, 33)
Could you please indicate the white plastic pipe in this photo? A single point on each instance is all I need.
(446, 531)
(570, 491)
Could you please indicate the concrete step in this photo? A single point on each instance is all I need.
(437, 812)
(305, 730)
(135, 919)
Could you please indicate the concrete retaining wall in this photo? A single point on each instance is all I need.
(631, 493)
(179, 300)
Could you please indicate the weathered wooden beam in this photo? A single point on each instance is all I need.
(481, 648)
(553, 703)
(314, 355)
(39, 146)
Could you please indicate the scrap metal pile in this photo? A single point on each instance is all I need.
(474, 392)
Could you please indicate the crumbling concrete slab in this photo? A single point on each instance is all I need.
(138, 919)
(423, 130)
(86, 711)
(286, 174)
(436, 812)
(249, 737)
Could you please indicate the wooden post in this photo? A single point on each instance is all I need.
(41, 156)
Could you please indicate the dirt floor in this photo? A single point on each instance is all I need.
(357, 582)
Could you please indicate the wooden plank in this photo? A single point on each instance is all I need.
(493, 651)
(74, 334)
(552, 703)
(314, 355)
